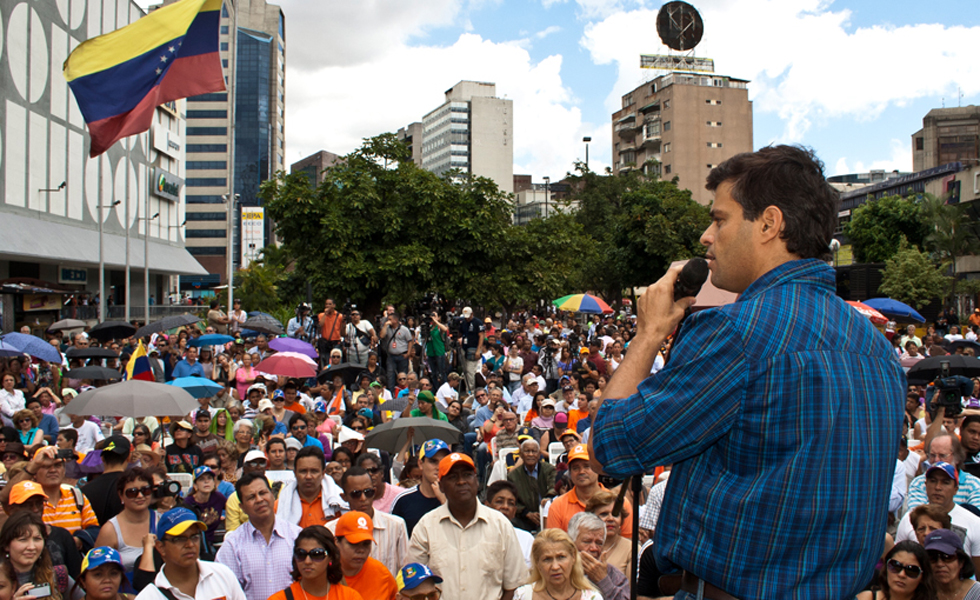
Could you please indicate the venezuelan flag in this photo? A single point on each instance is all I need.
(120, 77)
(138, 366)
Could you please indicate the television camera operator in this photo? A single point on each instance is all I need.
(302, 326)
(330, 332)
(781, 413)
(548, 359)
(435, 334)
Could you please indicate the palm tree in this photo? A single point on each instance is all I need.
(952, 234)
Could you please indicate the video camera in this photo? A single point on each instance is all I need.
(951, 390)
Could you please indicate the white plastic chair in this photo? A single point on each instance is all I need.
(555, 450)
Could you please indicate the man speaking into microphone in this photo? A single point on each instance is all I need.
(781, 412)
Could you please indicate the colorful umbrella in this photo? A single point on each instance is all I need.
(895, 309)
(586, 303)
(288, 364)
(293, 345)
(198, 387)
(32, 345)
(211, 339)
(876, 317)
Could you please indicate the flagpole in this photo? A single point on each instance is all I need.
(232, 93)
(146, 243)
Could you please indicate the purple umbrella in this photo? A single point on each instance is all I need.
(34, 346)
(286, 344)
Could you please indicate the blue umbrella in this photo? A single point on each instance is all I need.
(211, 339)
(198, 387)
(32, 345)
(8, 350)
(895, 309)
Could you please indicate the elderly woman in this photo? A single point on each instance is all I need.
(951, 566)
(228, 459)
(928, 518)
(905, 574)
(556, 572)
(589, 534)
(616, 550)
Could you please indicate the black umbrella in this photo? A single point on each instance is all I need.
(67, 324)
(166, 324)
(928, 369)
(391, 436)
(349, 371)
(94, 372)
(264, 323)
(90, 353)
(965, 344)
(112, 330)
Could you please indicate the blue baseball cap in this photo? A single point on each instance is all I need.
(178, 520)
(319, 406)
(365, 412)
(278, 394)
(102, 555)
(946, 468)
(433, 447)
(413, 575)
(203, 470)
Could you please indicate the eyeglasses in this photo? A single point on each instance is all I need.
(934, 458)
(433, 595)
(936, 555)
(278, 399)
(401, 378)
(316, 554)
(299, 427)
(361, 428)
(194, 538)
(373, 470)
(145, 491)
(356, 494)
(911, 571)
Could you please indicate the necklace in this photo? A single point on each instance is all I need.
(547, 591)
(305, 597)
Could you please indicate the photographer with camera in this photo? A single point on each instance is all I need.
(301, 327)
(399, 342)
(331, 325)
(471, 342)
(361, 338)
(434, 334)
(548, 359)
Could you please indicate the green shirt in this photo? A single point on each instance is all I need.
(435, 411)
(437, 343)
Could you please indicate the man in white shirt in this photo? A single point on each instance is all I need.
(88, 433)
(448, 392)
(954, 334)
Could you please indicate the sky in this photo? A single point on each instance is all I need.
(850, 78)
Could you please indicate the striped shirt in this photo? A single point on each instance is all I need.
(967, 493)
(261, 568)
(65, 513)
(781, 414)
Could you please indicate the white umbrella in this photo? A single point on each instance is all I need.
(134, 398)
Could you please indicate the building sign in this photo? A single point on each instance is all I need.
(166, 185)
(42, 302)
(165, 141)
(253, 233)
(170, 107)
(69, 275)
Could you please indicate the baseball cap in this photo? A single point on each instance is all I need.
(252, 455)
(467, 311)
(427, 396)
(202, 414)
(432, 447)
(549, 402)
(488, 320)
(579, 452)
(584, 350)
(944, 541)
(265, 403)
(68, 392)
(178, 520)
(22, 491)
(103, 555)
(293, 443)
(562, 418)
(355, 527)
(319, 406)
(366, 412)
(946, 468)
(375, 384)
(142, 448)
(413, 575)
(203, 470)
(278, 394)
(568, 388)
(117, 444)
(524, 433)
(452, 460)
(256, 386)
(185, 425)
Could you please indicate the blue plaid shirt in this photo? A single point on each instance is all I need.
(782, 415)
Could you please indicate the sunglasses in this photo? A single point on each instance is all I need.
(146, 491)
(356, 494)
(316, 554)
(358, 428)
(373, 470)
(936, 555)
(911, 571)
(194, 538)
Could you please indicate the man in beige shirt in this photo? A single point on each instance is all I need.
(472, 547)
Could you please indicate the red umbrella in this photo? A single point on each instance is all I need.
(288, 364)
(876, 317)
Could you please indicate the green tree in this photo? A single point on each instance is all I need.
(910, 276)
(952, 234)
(258, 284)
(877, 227)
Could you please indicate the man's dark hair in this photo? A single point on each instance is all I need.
(311, 451)
(69, 434)
(298, 417)
(497, 486)
(368, 457)
(969, 420)
(352, 472)
(131, 475)
(275, 440)
(247, 479)
(32, 400)
(214, 304)
(791, 179)
(290, 385)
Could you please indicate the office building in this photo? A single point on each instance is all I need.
(314, 165)
(235, 139)
(682, 125)
(51, 191)
(948, 135)
(472, 130)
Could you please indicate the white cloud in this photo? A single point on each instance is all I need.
(547, 31)
(900, 160)
(805, 62)
(334, 107)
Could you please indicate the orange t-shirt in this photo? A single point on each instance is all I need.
(296, 407)
(374, 581)
(337, 592)
(312, 512)
(331, 328)
(566, 506)
(573, 417)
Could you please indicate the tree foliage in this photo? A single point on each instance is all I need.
(877, 227)
(952, 234)
(911, 277)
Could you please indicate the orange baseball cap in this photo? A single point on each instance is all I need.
(580, 451)
(452, 460)
(22, 491)
(355, 527)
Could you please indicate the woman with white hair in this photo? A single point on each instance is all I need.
(589, 534)
(556, 572)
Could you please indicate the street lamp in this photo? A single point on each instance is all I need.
(102, 260)
(547, 181)
(231, 200)
(48, 191)
(146, 272)
(587, 139)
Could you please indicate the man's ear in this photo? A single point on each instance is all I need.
(771, 223)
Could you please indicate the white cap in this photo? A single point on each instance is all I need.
(347, 434)
(265, 403)
(257, 386)
(467, 311)
(255, 455)
(293, 443)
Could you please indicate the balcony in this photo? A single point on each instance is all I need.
(627, 126)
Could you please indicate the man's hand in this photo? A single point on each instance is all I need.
(534, 518)
(43, 458)
(657, 315)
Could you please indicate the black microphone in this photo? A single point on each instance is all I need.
(691, 278)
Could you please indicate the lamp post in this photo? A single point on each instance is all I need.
(547, 181)
(48, 191)
(102, 260)
(232, 200)
(146, 269)
(587, 139)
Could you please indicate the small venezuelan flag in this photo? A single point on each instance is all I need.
(119, 78)
(138, 366)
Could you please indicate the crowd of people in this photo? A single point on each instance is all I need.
(268, 489)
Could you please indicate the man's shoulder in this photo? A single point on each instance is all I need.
(389, 519)
(433, 517)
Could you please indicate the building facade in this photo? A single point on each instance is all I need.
(235, 139)
(947, 135)
(682, 125)
(314, 165)
(52, 194)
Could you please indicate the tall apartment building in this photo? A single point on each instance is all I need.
(53, 196)
(682, 125)
(252, 115)
(472, 130)
(948, 135)
(314, 165)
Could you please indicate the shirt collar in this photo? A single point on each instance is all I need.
(480, 515)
